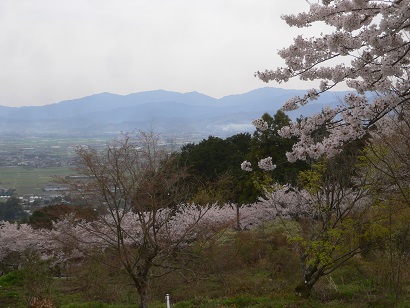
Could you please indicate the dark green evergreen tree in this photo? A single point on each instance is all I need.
(214, 166)
(12, 210)
(268, 143)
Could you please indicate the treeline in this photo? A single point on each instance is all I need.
(214, 164)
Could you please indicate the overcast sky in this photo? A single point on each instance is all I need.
(53, 50)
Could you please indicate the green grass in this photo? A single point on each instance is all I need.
(357, 292)
(96, 305)
(11, 292)
(8, 280)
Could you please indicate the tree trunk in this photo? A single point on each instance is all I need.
(142, 288)
(143, 295)
(311, 276)
(143, 299)
(304, 289)
(238, 217)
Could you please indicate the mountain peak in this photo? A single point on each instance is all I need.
(170, 112)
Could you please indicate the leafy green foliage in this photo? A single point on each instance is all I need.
(214, 166)
(268, 143)
(214, 160)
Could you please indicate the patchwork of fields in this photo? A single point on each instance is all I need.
(29, 181)
(28, 164)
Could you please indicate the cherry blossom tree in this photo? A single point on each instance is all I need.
(387, 154)
(19, 238)
(366, 49)
(137, 187)
(386, 157)
(147, 244)
(78, 238)
(331, 218)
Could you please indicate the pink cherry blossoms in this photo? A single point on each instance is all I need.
(264, 164)
(290, 201)
(19, 238)
(246, 166)
(260, 124)
(171, 230)
(368, 50)
(73, 238)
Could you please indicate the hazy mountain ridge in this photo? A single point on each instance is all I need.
(164, 111)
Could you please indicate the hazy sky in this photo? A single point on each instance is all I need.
(53, 50)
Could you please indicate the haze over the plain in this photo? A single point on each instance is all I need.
(57, 50)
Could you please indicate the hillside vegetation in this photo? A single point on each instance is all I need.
(251, 240)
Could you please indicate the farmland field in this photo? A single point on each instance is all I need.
(30, 180)
(29, 163)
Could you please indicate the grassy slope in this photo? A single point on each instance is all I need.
(245, 269)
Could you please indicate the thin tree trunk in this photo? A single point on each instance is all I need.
(238, 217)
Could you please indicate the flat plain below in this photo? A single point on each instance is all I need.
(29, 181)
(48, 152)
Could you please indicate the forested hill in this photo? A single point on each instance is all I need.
(164, 111)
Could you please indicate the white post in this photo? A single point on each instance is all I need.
(167, 299)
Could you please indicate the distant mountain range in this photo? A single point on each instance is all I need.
(169, 113)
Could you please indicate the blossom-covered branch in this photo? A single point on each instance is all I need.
(370, 43)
